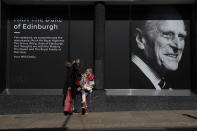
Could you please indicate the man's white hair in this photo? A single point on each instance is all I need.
(150, 26)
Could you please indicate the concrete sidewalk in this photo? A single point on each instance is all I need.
(102, 120)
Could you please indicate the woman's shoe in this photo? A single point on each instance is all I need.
(84, 108)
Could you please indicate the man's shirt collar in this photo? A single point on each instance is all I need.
(148, 72)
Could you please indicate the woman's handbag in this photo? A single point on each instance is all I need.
(68, 105)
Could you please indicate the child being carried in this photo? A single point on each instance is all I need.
(87, 85)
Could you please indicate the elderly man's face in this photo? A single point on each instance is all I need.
(165, 44)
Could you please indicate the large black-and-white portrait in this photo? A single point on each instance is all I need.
(160, 51)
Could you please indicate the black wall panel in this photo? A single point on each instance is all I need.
(81, 41)
(117, 54)
(47, 70)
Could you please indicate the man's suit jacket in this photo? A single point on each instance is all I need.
(138, 79)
